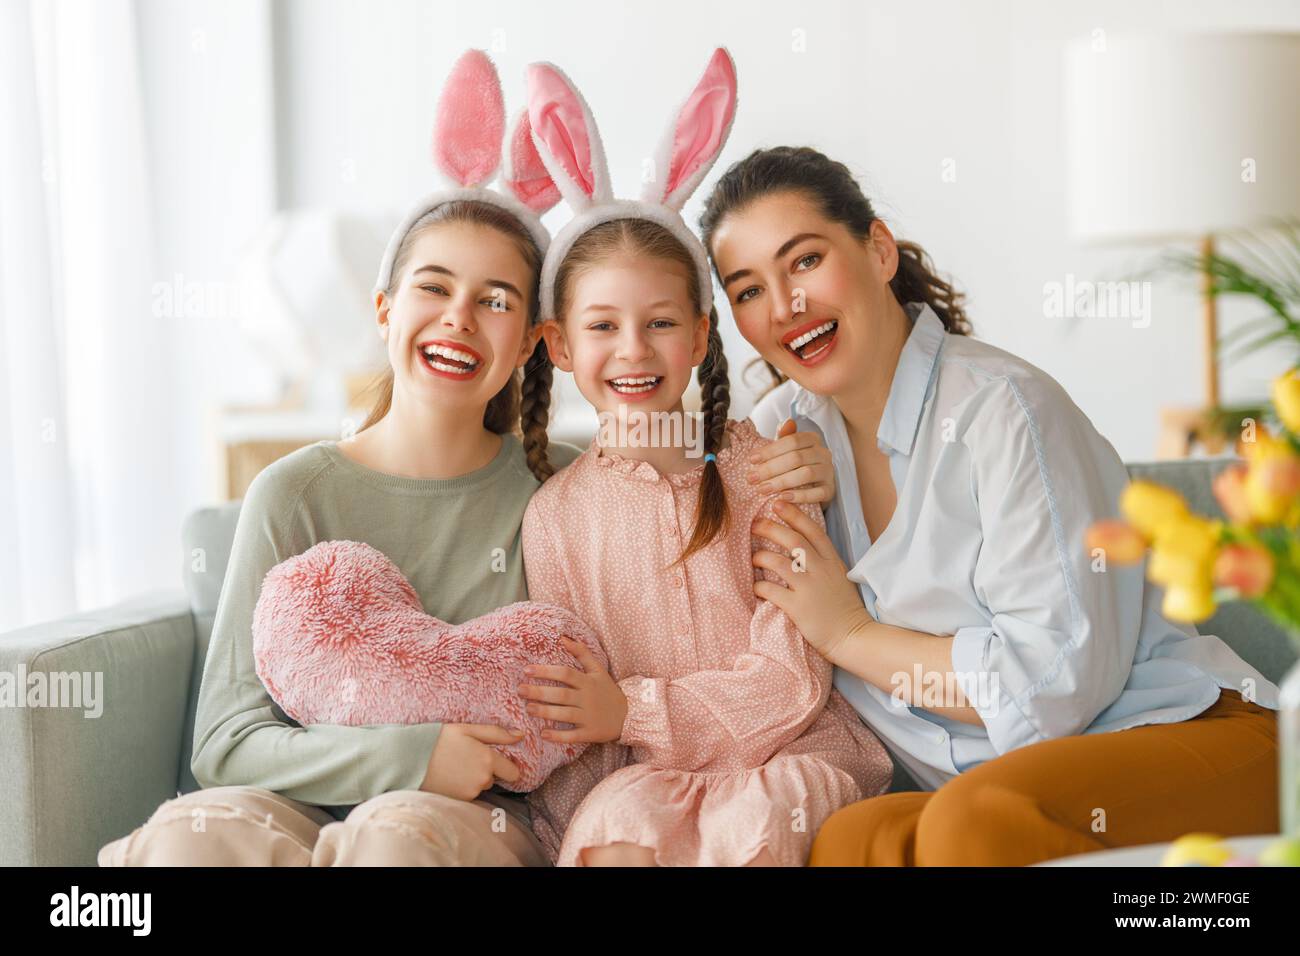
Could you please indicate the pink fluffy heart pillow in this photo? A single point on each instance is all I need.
(340, 637)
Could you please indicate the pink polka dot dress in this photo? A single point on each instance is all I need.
(735, 740)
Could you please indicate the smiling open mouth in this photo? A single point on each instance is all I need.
(813, 341)
(635, 385)
(446, 359)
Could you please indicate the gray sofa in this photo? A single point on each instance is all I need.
(69, 784)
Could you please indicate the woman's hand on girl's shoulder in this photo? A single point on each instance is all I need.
(815, 593)
(464, 761)
(796, 464)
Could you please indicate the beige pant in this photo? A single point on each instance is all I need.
(249, 826)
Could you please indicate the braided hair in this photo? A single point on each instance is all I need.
(535, 411)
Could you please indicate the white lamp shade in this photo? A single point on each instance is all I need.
(1174, 136)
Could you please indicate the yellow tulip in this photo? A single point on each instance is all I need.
(1263, 442)
(1266, 445)
(1272, 483)
(1183, 552)
(1188, 604)
(1148, 506)
(1286, 400)
(1197, 849)
(1272, 486)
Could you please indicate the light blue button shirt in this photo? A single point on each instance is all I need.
(998, 475)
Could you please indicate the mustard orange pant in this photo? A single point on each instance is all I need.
(1215, 773)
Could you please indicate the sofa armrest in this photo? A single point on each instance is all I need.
(91, 727)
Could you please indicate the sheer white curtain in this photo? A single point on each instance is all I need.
(86, 509)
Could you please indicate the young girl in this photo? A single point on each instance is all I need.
(717, 738)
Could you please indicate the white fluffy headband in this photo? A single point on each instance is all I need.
(468, 136)
(570, 147)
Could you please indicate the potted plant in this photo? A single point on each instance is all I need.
(1252, 556)
(1263, 267)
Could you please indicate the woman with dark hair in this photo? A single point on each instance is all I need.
(1045, 708)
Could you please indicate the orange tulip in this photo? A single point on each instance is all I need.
(1247, 568)
(1119, 540)
(1230, 490)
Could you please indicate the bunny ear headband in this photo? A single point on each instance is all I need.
(468, 137)
(570, 148)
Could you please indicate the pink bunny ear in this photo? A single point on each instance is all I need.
(566, 137)
(697, 135)
(471, 121)
(524, 173)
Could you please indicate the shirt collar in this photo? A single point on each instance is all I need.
(916, 365)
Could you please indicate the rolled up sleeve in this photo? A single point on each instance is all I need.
(1060, 637)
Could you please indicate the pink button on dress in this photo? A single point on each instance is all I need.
(734, 739)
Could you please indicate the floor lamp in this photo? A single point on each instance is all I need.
(1174, 138)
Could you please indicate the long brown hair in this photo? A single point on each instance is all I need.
(514, 409)
(831, 186)
(643, 239)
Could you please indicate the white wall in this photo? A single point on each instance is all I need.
(255, 106)
(892, 89)
(208, 94)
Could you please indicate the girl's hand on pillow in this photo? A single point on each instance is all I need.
(796, 464)
(464, 763)
(590, 700)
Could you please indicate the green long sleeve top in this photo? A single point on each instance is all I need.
(457, 540)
